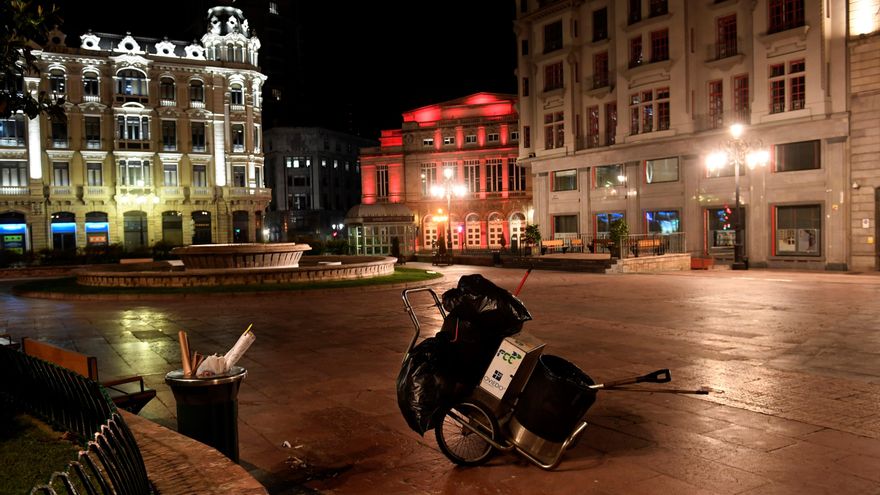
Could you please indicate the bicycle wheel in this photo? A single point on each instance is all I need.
(459, 443)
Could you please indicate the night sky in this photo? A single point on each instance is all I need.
(361, 66)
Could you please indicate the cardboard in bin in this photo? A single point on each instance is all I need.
(512, 365)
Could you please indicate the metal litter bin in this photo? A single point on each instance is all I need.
(207, 408)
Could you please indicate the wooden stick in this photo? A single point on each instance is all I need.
(184, 353)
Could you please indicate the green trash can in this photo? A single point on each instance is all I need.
(207, 408)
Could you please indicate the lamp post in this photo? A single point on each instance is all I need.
(739, 151)
(448, 189)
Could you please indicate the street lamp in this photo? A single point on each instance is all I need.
(448, 189)
(738, 151)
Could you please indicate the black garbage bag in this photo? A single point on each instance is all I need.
(425, 385)
(470, 352)
(489, 307)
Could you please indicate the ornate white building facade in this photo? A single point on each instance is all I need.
(162, 142)
(621, 102)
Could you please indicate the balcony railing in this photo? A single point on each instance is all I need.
(61, 191)
(196, 104)
(199, 148)
(601, 80)
(59, 142)
(96, 191)
(133, 145)
(236, 108)
(15, 191)
(12, 141)
(91, 98)
(172, 191)
(94, 144)
(201, 191)
(133, 98)
(167, 103)
(237, 148)
(250, 191)
(169, 146)
(724, 50)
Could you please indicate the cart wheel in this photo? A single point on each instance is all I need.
(460, 444)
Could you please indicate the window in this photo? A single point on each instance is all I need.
(200, 176)
(649, 111)
(565, 180)
(634, 13)
(524, 47)
(239, 176)
(198, 136)
(516, 176)
(92, 131)
(133, 128)
(237, 137)
(658, 7)
(609, 176)
(12, 131)
(722, 233)
(785, 14)
(131, 82)
(527, 136)
(196, 91)
(635, 52)
(236, 94)
(600, 70)
(604, 221)
(600, 24)
(798, 230)
(514, 135)
(447, 140)
(553, 76)
(492, 137)
(565, 224)
(593, 126)
(166, 88)
(382, 181)
(57, 82)
(741, 98)
(716, 105)
(525, 86)
(792, 157)
(59, 133)
(60, 174)
(257, 138)
(169, 174)
(13, 174)
(725, 37)
(169, 135)
(662, 170)
(135, 173)
(90, 86)
(797, 84)
(472, 175)
(553, 36)
(273, 8)
(660, 45)
(428, 142)
(94, 174)
(610, 123)
(324, 162)
(470, 139)
(662, 222)
(554, 130)
(494, 177)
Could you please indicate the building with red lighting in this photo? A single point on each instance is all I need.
(621, 103)
(474, 141)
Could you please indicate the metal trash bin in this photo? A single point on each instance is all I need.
(207, 408)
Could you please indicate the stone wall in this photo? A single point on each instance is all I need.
(653, 264)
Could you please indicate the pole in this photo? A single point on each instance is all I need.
(448, 215)
(738, 243)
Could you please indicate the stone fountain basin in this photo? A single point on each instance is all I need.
(213, 256)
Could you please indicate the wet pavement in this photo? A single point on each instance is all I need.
(793, 359)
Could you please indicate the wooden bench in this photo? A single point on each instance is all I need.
(553, 245)
(604, 244)
(653, 245)
(127, 393)
(576, 244)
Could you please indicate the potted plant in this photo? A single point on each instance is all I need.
(618, 233)
(532, 237)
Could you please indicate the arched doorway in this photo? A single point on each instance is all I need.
(496, 230)
(472, 227)
(172, 228)
(517, 228)
(135, 226)
(201, 227)
(64, 231)
(429, 232)
(239, 226)
(13, 232)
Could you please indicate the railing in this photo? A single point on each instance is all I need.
(167, 103)
(59, 142)
(201, 191)
(172, 191)
(97, 191)
(11, 141)
(15, 191)
(91, 98)
(236, 108)
(60, 191)
(111, 461)
(199, 148)
(249, 191)
(133, 145)
(93, 144)
(196, 104)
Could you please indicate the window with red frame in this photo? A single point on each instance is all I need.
(554, 130)
(785, 14)
(716, 104)
(777, 88)
(647, 111)
(725, 37)
(635, 11)
(553, 76)
(635, 52)
(610, 123)
(593, 127)
(662, 102)
(600, 70)
(797, 84)
(660, 45)
(741, 98)
(634, 101)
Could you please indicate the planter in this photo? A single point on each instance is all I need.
(702, 263)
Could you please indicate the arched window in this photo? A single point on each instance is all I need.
(236, 94)
(131, 82)
(496, 230)
(429, 233)
(196, 90)
(472, 227)
(166, 89)
(57, 82)
(517, 228)
(90, 85)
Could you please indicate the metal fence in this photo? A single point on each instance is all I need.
(110, 461)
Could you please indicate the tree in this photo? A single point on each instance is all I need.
(24, 27)
(618, 232)
(502, 241)
(532, 235)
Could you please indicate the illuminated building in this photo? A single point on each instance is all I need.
(162, 143)
(622, 101)
(314, 175)
(476, 138)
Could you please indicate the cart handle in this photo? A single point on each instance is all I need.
(659, 376)
(412, 314)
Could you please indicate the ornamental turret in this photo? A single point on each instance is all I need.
(229, 38)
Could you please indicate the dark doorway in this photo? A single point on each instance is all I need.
(172, 228)
(239, 226)
(64, 231)
(201, 227)
(135, 223)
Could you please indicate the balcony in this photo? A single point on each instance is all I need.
(59, 143)
(201, 192)
(94, 144)
(169, 146)
(199, 148)
(16, 141)
(237, 148)
(142, 99)
(171, 192)
(238, 192)
(236, 108)
(62, 191)
(96, 192)
(196, 104)
(122, 144)
(15, 191)
(167, 103)
(91, 98)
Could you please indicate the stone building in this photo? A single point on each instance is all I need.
(162, 142)
(621, 103)
(453, 171)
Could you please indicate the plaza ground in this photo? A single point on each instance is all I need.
(792, 358)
